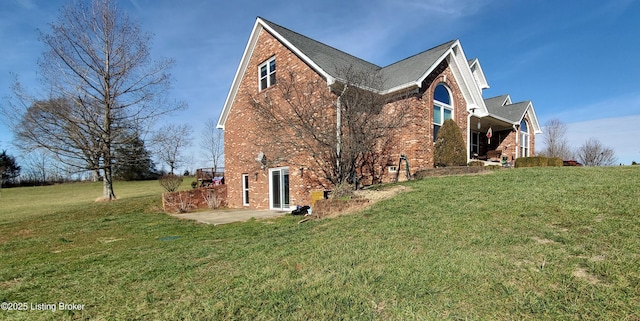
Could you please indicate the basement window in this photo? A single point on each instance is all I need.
(267, 73)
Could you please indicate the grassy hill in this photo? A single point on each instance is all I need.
(527, 244)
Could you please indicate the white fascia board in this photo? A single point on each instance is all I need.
(502, 119)
(246, 56)
(533, 118)
(507, 100)
(435, 64)
(298, 53)
(474, 93)
(237, 79)
(483, 80)
(419, 81)
(401, 87)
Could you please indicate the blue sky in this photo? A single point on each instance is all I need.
(577, 61)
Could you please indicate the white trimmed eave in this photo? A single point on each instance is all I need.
(470, 90)
(244, 63)
(483, 79)
(472, 94)
(533, 118)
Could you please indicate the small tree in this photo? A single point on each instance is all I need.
(170, 142)
(593, 153)
(556, 141)
(9, 169)
(133, 160)
(170, 182)
(449, 146)
(212, 144)
(336, 132)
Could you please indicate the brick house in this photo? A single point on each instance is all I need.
(442, 84)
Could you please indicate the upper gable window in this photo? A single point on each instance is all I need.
(442, 109)
(267, 74)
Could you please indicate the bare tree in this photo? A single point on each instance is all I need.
(38, 167)
(67, 132)
(97, 61)
(556, 141)
(593, 153)
(338, 132)
(212, 144)
(169, 143)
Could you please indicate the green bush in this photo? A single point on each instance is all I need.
(450, 149)
(476, 163)
(538, 161)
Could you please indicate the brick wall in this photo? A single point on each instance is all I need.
(244, 137)
(185, 201)
(416, 141)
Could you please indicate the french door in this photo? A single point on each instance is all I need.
(279, 188)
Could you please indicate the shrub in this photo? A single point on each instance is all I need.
(342, 191)
(538, 161)
(170, 182)
(450, 149)
(476, 163)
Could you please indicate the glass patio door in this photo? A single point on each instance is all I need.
(279, 188)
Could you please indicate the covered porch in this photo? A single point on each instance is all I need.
(492, 140)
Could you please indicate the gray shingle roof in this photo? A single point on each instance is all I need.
(326, 57)
(332, 60)
(495, 102)
(511, 112)
(414, 67)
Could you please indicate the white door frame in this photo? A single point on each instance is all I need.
(280, 191)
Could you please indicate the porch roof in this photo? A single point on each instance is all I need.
(501, 109)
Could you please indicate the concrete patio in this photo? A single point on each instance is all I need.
(218, 217)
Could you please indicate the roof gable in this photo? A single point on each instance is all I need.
(500, 107)
(328, 62)
(498, 101)
(478, 73)
(414, 68)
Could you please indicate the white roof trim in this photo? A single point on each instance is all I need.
(244, 62)
(528, 111)
(462, 72)
(532, 118)
(481, 80)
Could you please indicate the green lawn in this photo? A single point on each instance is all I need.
(523, 244)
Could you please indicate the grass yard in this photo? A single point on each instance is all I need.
(524, 244)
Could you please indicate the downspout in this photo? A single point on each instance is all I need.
(339, 134)
(515, 128)
(469, 136)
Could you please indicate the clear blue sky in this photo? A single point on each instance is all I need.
(577, 61)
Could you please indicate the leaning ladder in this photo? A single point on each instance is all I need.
(403, 157)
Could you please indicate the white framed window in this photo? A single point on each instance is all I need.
(524, 139)
(245, 189)
(267, 73)
(442, 108)
(393, 169)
